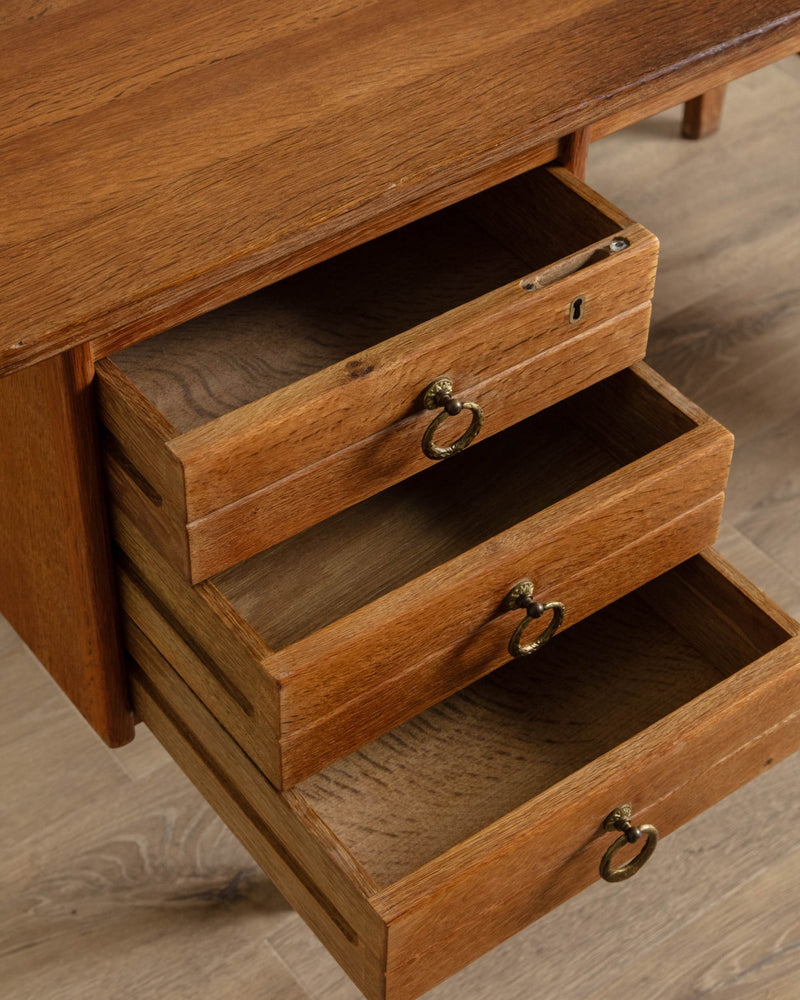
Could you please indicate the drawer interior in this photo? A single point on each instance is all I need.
(247, 350)
(512, 735)
(343, 563)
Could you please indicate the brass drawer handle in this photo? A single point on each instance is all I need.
(440, 393)
(521, 596)
(620, 819)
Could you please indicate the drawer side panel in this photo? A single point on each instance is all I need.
(284, 836)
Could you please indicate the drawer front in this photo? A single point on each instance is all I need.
(432, 872)
(235, 470)
(506, 897)
(317, 646)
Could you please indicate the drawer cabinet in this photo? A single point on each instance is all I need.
(448, 834)
(319, 644)
(418, 384)
(318, 609)
(248, 425)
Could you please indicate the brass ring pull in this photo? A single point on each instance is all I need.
(620, 819)
(440, 393)
(521, 596)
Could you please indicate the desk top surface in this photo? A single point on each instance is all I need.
(161, 157)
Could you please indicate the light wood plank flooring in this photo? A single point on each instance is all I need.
(118, 881)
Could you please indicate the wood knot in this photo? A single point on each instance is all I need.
(358, 369)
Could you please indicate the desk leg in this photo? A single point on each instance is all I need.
(56, 576)
(701, 115)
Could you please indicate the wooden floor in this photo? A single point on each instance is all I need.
(119, 882)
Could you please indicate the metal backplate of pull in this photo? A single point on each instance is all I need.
(620, 819)
(440, 393)
(521, 597)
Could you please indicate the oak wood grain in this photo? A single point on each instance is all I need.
(306, 861)
(574, 151)
(702, 115)
(239, 530)
(737, 710)
(338, 357)
(709, 730)
(366, 551)
(710, 901)
(710, 613)
(250, 406)
(256, 345)
(129, 417)
(365, 619)
(655, 99)
(454, 946)
(233, 654)
(506, 739)
(242, 352)
(300, 586)
(219, 152)
(320, 731)
(121, 881)
(56, 576)
(550, 714)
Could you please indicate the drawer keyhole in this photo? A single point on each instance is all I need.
(576, 310)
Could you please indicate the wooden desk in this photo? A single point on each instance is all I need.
(242, 146)
(161, 159)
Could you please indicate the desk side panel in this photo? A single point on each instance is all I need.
(56, 579)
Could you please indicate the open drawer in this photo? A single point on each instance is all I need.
(247, 425)
(442, 838)
(316, 646)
